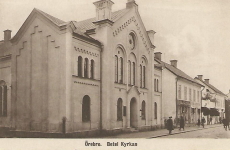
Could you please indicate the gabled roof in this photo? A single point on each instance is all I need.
(88, 24)
(211, 86)
(177, 71)
(51, 18)
(58, 22)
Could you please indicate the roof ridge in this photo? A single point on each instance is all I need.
(186, 76)
(87, 24)
(55, 20)
(212, 87)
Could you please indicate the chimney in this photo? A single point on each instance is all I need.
(174, 63)
(200, 77)
(206, 80)
(103, 9)
(158, 55)
(131, 3)
(7, 35)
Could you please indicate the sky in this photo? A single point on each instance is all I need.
(194, 32)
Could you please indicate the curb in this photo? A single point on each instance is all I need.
(182, 132)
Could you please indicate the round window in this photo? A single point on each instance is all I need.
(132, 40)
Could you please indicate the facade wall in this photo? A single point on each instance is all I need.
(168, 94)
(39, 77)
(117, 43)
(84, 86)
(157, 119)
(5, 71)
(219, 104)
(190, 93)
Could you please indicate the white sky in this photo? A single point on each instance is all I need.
(195, 32)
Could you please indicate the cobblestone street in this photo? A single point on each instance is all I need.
(214, 133)
(210, 131)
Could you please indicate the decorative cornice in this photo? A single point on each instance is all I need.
(85, 83)
(126, 24)
(86, 52)
(105, 21)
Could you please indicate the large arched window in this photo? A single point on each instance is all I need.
(132, 65)
(79, 66)
(143, 110)
(140, 75)
(143, 72)
(157, 85)
(134, 73)
(130, 78)
(3, 99)
(86, 65)
(155, 110)
(86, 108)
(144, 76)
(119, 109)
(119, 65)
(116, 68)
(92, 69)
(121, 70)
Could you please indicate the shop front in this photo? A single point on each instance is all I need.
(184, 110)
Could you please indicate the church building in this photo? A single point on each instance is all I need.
(94, 75)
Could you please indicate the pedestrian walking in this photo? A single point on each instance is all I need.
(226, 123)
(198, 122)
(220, 120)
(203, 122)
(181, 123)
(210, 120)
(170, 125)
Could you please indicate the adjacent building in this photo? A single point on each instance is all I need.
(213, 102)
(181, 94)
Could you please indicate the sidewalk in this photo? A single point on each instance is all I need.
(161, 132)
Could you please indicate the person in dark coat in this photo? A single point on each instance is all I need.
(198, 122)
(226, 123)
(170, 125)
(203, 121)
(181, 123)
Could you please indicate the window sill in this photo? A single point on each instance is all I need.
(120, 83)
(86, 121)
(85, 78)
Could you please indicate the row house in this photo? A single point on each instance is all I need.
(180, 93)
(213, 101)
(227, 106)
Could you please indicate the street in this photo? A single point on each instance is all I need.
(214, 133)
(210, 131)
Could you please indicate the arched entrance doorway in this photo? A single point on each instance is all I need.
(133, 113)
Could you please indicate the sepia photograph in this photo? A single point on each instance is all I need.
(113, 74)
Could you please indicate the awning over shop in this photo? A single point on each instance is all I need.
(205, 110)
(214, 112)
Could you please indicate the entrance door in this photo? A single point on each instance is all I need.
(133, 113)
